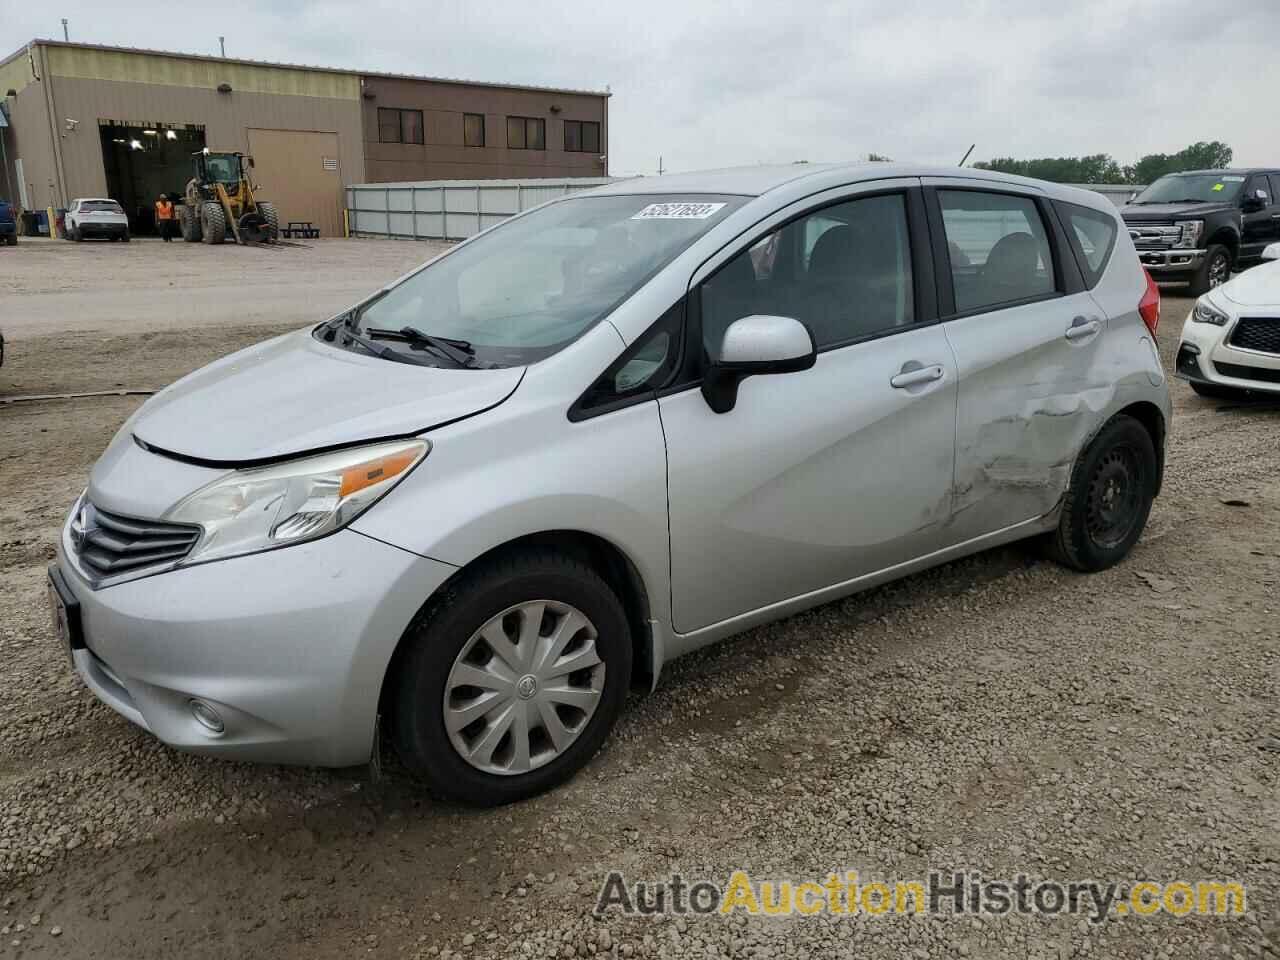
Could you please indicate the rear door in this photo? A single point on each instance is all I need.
(1027, 338)
(818, 477)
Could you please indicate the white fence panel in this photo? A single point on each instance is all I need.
(449, 209)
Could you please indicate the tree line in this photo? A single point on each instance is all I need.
(1103, 168)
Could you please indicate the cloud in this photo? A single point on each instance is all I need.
(705, 83)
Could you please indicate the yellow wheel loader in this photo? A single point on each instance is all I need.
(219, 199)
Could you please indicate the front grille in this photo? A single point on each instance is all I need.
(108, 544)
(1149, 235)
(1257, 333)
(1240, 372)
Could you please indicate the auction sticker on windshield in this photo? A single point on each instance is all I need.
(678, 211)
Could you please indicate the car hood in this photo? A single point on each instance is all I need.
(295, 394)
(1258, 287)
(1171, 211)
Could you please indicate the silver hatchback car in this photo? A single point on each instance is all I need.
(478, 508)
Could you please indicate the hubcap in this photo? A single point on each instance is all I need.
(1115, 494)
(524, 687)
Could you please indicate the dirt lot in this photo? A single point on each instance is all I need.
(998, 714)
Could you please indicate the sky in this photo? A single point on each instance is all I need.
(711, 83)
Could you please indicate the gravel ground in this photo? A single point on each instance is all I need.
(998, 714)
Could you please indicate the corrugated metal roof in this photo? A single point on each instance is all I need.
(142, 51)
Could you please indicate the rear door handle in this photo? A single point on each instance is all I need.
(1082, 327)
(916, 375)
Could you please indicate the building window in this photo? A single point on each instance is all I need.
(399, 126)
(526, 133)
(582, 136)
(473, 129)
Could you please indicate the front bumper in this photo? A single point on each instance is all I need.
(1206, 356)
(1172, 261)
(289, 646)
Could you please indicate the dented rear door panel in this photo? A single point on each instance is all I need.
(1028, 399)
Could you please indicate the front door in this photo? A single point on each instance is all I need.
(818, 477)
(1261, 216)
(1028, 342)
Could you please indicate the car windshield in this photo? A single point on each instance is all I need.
(530, 286)
(224, 169)
(1200, 187)
(100, 206)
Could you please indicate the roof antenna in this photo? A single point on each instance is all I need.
(222, 45)
(966, 154)
(65, 36)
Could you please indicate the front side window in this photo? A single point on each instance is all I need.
(399, 126)
(525, 289)
(1093, 235)
(1192, 188)
(526, 133)
(844, 271)
(1258, 183)
(998, 248)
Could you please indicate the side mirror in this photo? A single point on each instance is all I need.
(756, 345)
(1271, 251)
(250, 162)
(1256, 200)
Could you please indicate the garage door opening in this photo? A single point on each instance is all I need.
(144, 160)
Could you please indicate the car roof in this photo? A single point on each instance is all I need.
(1237, 171)
(757, 181)
(761, 180)
(94, 200)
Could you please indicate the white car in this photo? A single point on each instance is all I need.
(1231, 339)
(96, 217)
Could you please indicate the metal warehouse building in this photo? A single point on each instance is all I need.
(95, 121)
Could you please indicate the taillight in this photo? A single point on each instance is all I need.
(1149, 305)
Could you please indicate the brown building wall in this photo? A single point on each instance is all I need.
(28, 137)
(444, 157)
(227, 119)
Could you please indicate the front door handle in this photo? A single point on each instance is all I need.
(1082, 327)
(916, 375)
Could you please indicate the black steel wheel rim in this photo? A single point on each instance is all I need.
(1114, 500)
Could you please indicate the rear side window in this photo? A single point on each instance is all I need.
(1093, 237)
(998, 247)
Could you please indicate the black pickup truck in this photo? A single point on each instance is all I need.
(1200, 225)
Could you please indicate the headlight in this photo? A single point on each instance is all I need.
(1205, 312)
(1191, 231)
(257, 509)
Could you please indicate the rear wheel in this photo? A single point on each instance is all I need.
(512, 682)
(1107, 503)
(189, 224)
(124, 238)
(1214, 272)
(213, 224)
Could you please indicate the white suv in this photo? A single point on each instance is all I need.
(96, 218)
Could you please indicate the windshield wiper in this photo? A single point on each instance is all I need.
(379, 350)
(459, 352)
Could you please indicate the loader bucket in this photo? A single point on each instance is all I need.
(255, 229)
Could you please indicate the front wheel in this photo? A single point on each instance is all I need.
(1214, 272)
(513, 680)
(1109, 498)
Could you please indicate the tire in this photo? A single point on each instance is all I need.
(124, 238)
(77, 236)
(1215, 271)
(213, 223)
(189, 224)
(269, 214)
(492, 596)
(1120, 461)
(1215, 392)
